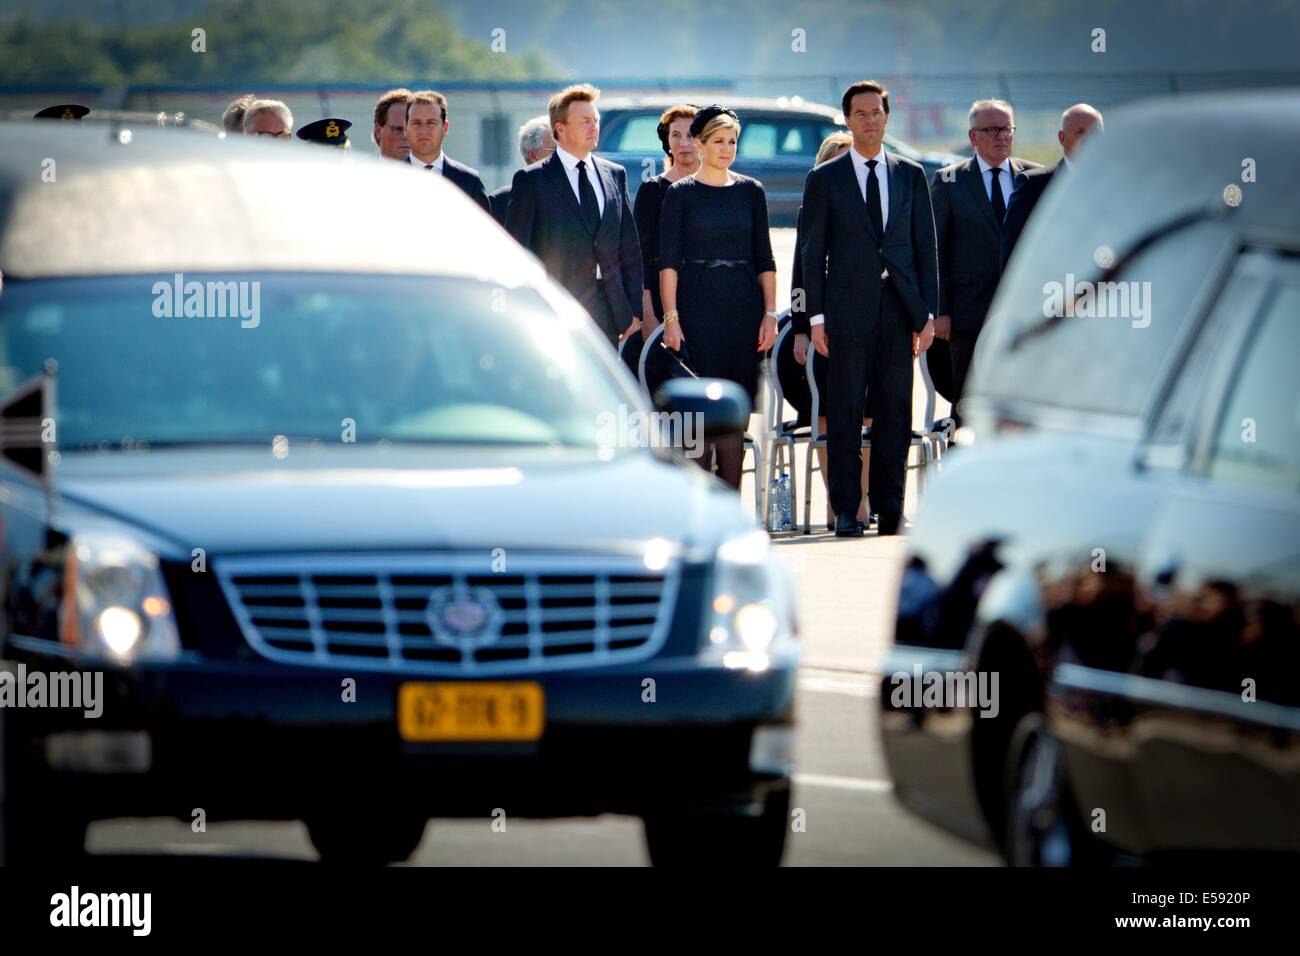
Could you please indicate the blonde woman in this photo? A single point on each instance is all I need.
(717, 277)
(681, 159)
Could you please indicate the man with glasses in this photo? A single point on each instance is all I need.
(970, 205)
(268, 118)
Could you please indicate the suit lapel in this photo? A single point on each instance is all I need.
(848, 179)
(607, 186)
(895, 189)
(974, 177)
(554, 168)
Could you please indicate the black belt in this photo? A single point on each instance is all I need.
(720, 263)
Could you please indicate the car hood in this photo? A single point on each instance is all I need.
(242, 502)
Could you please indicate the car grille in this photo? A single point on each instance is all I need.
(450, 613)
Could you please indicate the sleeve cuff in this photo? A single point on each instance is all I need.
(817, 320)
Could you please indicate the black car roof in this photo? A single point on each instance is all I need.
(127, 199)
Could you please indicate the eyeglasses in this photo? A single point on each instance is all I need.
(994, 130)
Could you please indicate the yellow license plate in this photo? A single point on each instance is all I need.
(514, 710)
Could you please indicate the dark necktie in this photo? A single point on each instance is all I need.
(874, 212)
(999, 204)
(587, 199)
(428, 166)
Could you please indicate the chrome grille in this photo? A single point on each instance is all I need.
(406, 612)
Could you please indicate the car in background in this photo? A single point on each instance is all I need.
(778, 143)
(1119, 540)
(332, 506)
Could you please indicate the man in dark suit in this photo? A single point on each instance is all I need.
(1076, 124)
(572, 211)
(870, 275)
(970, 204)
(535, 144)
(426, 128)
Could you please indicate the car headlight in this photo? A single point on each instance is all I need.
(115, 603)
(751, 611)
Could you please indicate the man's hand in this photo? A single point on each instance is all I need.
(819, 340)
(924, 339)
(800, 348)
(634, 327)
(943, 327)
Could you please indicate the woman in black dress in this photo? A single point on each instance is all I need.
(717, 277)
(681, 159)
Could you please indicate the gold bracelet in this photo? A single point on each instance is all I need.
(671, 316)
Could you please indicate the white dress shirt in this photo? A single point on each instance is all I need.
(571, 170)
(437, 163)
(1008, 178)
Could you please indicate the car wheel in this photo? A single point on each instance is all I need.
(684, 837)
(1043, 826)
(372, 844)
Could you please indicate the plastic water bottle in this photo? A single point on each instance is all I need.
(774, 513)
(787, 516)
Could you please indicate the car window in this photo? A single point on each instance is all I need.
(1106, 359)
(417, 359)
(757, 141)
(1258, 435)
(1238, 302)
(640, 134)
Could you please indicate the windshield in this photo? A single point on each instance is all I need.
(352, 358)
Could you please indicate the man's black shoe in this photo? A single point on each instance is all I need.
(847, 526)
(887, 524)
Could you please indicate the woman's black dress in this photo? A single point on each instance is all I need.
(721, 307)
(646, 211)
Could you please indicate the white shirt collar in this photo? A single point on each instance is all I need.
(570, 161)
(437, 163)
(859, 159)
(985, 167)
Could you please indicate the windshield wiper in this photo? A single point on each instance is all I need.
(1218, 209)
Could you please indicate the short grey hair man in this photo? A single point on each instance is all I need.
(268, 118)
(535, 139)
(979, 106)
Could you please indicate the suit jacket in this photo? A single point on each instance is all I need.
(544, 217)
(798, 316)
(1030, 186)
(500, 202)
(970, 241)
(467, 178)
(842, 257)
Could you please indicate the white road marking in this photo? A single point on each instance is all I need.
(852, 687)
(843, 783)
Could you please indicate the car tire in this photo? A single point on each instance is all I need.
(689, 838)
(388, 840)
(1043, 824)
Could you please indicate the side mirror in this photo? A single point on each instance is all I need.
(723, 407)
(22, 426)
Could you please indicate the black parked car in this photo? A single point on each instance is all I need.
(337, 505)
(778, 144)
(1121, 542)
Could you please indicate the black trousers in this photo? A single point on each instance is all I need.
(597, 304)
(882, 362)
(961, 347)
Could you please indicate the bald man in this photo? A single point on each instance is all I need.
(1077, 124)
